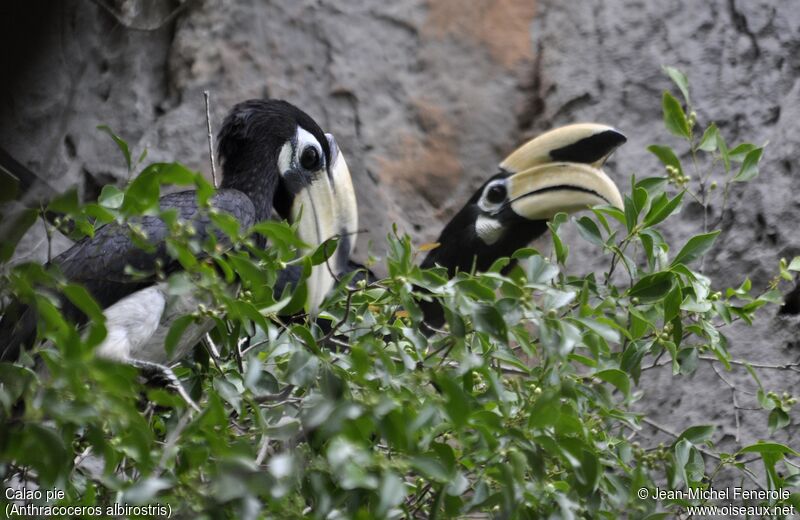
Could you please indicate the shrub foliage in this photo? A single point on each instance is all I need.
(523, 407)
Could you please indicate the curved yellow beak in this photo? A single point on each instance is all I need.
(325, 209)
(540, 192)
(585, 143)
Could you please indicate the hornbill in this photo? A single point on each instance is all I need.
(274, 157)
(558, 171)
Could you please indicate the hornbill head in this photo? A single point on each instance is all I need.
(281, 158)
(559, 171)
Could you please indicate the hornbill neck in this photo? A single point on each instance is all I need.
(259, 184)
(460, 248)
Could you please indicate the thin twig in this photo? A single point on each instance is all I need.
(794, 367)
(713, 455)
(237, 351)
(735, 403)
(210, 142)
(271, 398)
(342, 321)
(262, 450)
(447, 344)
(736, 415)
(48, 233)
(341, 344)
(213, 352)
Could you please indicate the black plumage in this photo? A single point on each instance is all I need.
(496, 221)
(249, 144)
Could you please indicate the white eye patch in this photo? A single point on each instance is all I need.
(304, 139)
(489, 230)
(289, 156)
(494, 196)
(285, 158)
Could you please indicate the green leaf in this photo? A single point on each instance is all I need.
(247, 310)
(653, 286)
(81, 298)
(653, 185)
(696, 247)
(392, 491)
(299, 295)
(42, 448)
(9, 186)
(698, 434)
(14, 233)
(111, 197)
(674, 117)
(175, 332)
(764, 448)
(749, 169)
(226, 223)
(777, 419)
(475, 289)
(145, 490)
(324, 251)
(142, 193)
(176, 173)
(794, 265)
(679, 78)
(488, 319)
(640, 199)
(740, 152)
(303, 368)
(631, 215)
(66, 202)
(121, 144)
(603, 327)
(16, 379)
(616, 377)
(589, 230)
(667, 156)
(561, 249)
(661, 209)
(545, 410)
(278, 232)
(709, 141)
(672, 303)
(431, 468)
(229, 392)
(682, 453)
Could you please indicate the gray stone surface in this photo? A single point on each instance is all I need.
(425, 97)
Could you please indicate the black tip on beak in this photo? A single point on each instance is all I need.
(592, 149)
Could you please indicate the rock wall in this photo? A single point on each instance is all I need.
(425, 97)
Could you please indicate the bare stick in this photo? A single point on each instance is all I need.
(210, 142)
(664, 429)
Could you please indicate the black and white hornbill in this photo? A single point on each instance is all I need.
(558, 171)
(274, 157)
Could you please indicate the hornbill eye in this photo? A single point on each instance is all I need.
(496, 194)
(309, 159)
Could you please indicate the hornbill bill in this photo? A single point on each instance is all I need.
(274, 157)
(558, 171)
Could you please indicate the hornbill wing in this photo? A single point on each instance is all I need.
(99, 262)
